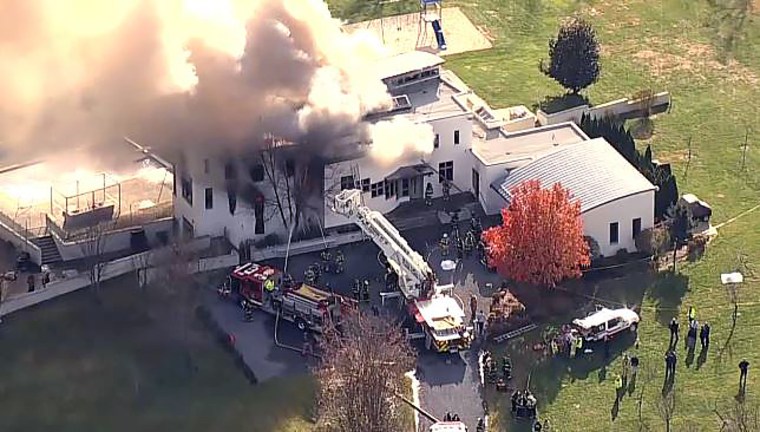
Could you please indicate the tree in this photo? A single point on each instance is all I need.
(679, 225)
(666, 407)
(94, 249)
(739, 417)
(540, 240)
(573, 56)
(361, 374)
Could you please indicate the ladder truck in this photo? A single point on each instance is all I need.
(431, 305)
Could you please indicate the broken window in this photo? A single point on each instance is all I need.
(229, 171)
(232, 198)
(257, 173)
(209, 198)
(258, 210)
(187, 190)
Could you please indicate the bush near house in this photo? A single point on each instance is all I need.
(613, 131)
(527, 249)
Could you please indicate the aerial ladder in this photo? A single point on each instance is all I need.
(432, 306)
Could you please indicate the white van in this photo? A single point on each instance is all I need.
(606, 323)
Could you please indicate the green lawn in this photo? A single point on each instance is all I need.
(72, 365)
(672, 45)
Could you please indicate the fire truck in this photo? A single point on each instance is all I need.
(439, 316)
(308, 307)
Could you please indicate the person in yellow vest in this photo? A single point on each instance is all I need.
(692, 314)
(618, 387)
(269, 286)
(579, 345)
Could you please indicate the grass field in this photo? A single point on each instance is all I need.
(674, 45)
(71, 365)
(118, 366)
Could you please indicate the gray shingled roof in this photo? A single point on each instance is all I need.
(593, 171)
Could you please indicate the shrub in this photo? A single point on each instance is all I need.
(653, 241)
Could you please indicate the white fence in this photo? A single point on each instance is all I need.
(306, 246)
(619, 107)
(114, 269)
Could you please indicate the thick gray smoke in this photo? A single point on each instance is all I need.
(181, 74)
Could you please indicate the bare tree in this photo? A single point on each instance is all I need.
(94, 250)
(171, 276)
(360, 374)
(666, 407)
(739, 417)
(733, 293)
(296, 184)
(142, 264)
(644, 377)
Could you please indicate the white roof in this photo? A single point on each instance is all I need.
(603, 315)
(516, 149)
(593, 171)
(407, 62)
(441, 312)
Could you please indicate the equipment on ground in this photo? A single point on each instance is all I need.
(450, 422)
(440, 316)
(310, 308)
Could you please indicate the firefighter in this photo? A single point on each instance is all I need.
(287, 281)
(247, 311)
(475, 225)
(310, 275)
(365, 291)
(446, 190)
(444, 244)
(481, 426)
(469, 242)
(326, 257)
(339, 262)
(429, 194)
(269, 286)
(473, 306)
(506, 367)
(357, 290)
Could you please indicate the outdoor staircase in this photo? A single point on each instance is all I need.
(50, 253)
(514, 333)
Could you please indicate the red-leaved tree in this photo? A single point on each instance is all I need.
(540, 240)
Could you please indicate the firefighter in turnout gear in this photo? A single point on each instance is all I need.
(340, 260)
(446, 190)
(356, 291)
(365, 291)
(429, 194)
(310, 276)
(444, 244)
(469, 243)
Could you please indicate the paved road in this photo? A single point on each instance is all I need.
(254, 340)
(447, 383)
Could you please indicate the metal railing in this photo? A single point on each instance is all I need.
(123, 221)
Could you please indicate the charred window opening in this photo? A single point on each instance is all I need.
(390, 189)
(290, 167)
(365, 184)
(187, 189)
(229, 171)
(258, 210)
(232, 198)
(257, 173)
(209, 198)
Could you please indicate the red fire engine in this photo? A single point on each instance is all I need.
(306, 306)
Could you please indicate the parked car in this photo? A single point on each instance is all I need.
(606, 323)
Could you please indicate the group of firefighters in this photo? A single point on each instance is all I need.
(566, 343)
(464, 245)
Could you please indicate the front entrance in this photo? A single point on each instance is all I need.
(476, 183)
(415, 189)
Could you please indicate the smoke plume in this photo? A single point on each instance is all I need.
(183, 74)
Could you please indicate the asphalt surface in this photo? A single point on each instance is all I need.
(447, 382)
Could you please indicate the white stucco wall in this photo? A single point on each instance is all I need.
(596, 222)
(369, 167)
(114, 241)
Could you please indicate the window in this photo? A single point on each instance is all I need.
(614, 235)
(404, 187)
(614, 322)
(206, 167)
(636, 227)
(347, 182)
(365, 185)
(437, 141)
(390, 189)
(258, 213)
(290, 167)
(257, 173)
(377, 189)
(209, 198)
(476, 183)
(445, 171)
(456, 137)
(174, 180)
(232, 199)
(229, 172)
(187, 190)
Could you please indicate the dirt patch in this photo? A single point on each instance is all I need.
(404, 33)
(696, 59)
